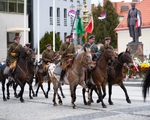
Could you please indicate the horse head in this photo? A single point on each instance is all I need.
(87, 59)
(125, 58)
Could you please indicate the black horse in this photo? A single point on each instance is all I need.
(23, 73)
(146, 84)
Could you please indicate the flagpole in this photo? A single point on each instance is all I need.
(54, 25)
(38, 32)
(25, 13)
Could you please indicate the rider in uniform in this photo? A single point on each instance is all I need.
(67, 50)
(47, 57)
(13, 53)
(95, 54)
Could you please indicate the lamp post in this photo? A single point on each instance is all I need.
(79, 7)
(85, 15)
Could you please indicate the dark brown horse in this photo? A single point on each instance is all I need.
(115, 73)
(99, 75)
(146, 84)
(21, 73)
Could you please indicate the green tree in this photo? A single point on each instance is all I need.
(111, 22)
(48, 39)
(98, 30)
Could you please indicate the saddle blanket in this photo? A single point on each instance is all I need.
(57, 70)
(6, 70)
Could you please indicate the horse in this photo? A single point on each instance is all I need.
(99, 76)
(30, 67)
(40, 77)
(75, 74)
(21, 73)
(115, 73)
(146, 84)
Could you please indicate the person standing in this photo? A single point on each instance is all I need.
(13, 53)
(67, 50)
(134, 22)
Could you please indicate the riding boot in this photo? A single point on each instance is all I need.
(90, 79)
(61, 77)
(10, 78)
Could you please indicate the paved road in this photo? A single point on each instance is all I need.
(41, 108)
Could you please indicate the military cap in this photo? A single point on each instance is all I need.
(48, 45)
(69, 36)
(107, 38)
(16, 38)
(91, 37)
(27, 44)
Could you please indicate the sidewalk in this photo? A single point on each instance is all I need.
(134, 82)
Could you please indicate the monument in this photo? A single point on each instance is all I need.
(134, 22)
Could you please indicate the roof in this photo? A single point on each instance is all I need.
(145, 12)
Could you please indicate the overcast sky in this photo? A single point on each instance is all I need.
(97, 1)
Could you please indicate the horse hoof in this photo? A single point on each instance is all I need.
(63, 96)
(98, 101)
(34, 95)
(8, 97)
(111, 103)
(92, 101)
(85, 103)
(128, 101)
(104, 106)
(22, 101)
(31, 97)
(55, 104)
(60, 102)
(89, 103)
(74, 107)
(4, 99)
(46, 96)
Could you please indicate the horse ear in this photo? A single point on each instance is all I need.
(85, 49)
(128, 50)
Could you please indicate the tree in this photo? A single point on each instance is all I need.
(98, 30)
(48, 39)
(111, 22)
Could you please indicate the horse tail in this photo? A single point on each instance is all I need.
(146, 84)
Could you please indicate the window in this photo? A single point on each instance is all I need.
(58, 12)
(16, 6)
(51, 12)
(65, 13)
(71, 0)
(65, 34)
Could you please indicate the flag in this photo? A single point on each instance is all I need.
(79, 26)
(89, 27)
(72, 13)
(102, 16)
(138, 21)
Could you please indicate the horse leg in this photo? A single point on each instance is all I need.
(36, 94)
(104, 89)
(30, 89)
(15, 87)
(59, 98)
(83, 93)
(101, 97)
(126, 94)
(3, 90)
(48, 89)
(73, 95)
(62, 94)
(43, 90)
(21, 93)
(110, 92)
(8, 93)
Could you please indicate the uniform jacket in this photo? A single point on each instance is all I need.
(66, 48)
(13, 48)
(47, 55)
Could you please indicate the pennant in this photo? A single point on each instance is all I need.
(79, 26)
(102, 16)
(72, 13)
(89, 27)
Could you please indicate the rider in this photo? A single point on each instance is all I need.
(95, 54)
(67, 50)
(47, 57)
(13, 53)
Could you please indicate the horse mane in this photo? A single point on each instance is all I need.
(120, 54)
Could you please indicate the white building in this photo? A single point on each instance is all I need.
(12, 20)
(63, 22)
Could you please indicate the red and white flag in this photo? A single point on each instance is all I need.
(90, 26)
(138, 21)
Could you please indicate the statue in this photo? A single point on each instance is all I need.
(134, 23)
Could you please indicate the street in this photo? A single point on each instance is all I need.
(40, 108)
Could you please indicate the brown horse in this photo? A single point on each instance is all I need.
(75, 74)
(20, 74)
(115, 73)
(99, 75)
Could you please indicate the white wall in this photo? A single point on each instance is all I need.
(124, 38)
(8, 20)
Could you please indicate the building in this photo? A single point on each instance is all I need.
(12, 20)
(123, 32)
(63, 21)
(12, 23)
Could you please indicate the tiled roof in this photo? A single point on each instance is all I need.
(144, 7)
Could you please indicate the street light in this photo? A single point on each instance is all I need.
(79, 7)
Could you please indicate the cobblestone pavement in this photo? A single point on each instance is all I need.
(41, 108)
